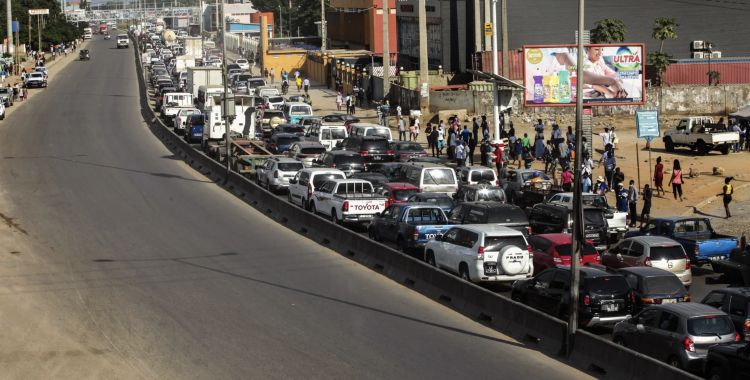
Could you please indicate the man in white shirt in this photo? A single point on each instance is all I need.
(606, 137)
(401, 129)
(306, 85)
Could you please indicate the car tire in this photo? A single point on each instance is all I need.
(668, 145)
(620, 341)
(716, 373)
(289, 198)
(304, 205)
(334, 218)
(313, 209)
(268, 187)
(674, 361)
(431, 259)
(463, 272)
(372, 234)
(724, 150)
(516, 297)
(702, 148)
(400, 245)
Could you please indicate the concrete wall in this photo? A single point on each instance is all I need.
(451, 100)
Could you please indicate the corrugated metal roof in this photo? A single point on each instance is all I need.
(713, 60)
(731, 73)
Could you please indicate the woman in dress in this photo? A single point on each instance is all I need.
(727, 194)
(659, 176)
(339, 100)
(646, 211)
(676, 180)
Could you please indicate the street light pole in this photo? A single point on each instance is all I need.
(496, 98)
(225, 104)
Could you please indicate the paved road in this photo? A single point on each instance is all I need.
(126, 263)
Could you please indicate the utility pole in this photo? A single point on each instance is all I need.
(323, 25)
(423, 63)
(9, 21)
(496, 100)
(227, 112)
(386, 54)
(506, 69)
(290, 22)
(578, 227)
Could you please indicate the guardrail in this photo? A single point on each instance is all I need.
(509, 317)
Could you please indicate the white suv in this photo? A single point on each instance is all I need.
(277, 171)
(308, 180)
(482, 253)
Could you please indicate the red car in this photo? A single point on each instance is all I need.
(396, 192)
(555, 249)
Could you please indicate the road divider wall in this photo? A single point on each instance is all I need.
(505, 315)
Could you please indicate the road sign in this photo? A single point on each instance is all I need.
(647, 123)
(488, 29)
(38, 11)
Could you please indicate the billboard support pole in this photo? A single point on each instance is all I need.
(495, 99)
(577, 194)
(638, 162)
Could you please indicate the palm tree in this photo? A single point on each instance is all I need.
(664, 28)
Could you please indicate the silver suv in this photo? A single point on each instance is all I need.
(277, 171)
(678, 333)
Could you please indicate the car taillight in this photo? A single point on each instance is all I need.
(647, 262)
(390, 200)
(556, 258)
(587, 300)
(301, 156)
(275, 174)
(687, 262)
(632, 297)
(746, 326)
(650, 301)
(736, 337)
(404, 156)
(416, 235)
(686, 299)
(689, 345)
(497, 183)
(309, 191)
(333, 165)
(528, 229)
(364, 153)
(480, 254)
(345, 207)
(598, 259)
(697, 250)
(738, 243)
(389, 152)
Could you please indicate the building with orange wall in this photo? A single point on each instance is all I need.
(358, 24)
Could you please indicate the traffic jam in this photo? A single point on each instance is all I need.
(511, 235)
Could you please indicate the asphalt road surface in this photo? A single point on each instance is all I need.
(122, 262)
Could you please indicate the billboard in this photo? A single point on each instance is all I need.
(613, 75)
(38, 11)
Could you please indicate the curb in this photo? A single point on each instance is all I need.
(697, 207)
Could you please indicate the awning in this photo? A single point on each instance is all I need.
(743, 114)
(490, 77)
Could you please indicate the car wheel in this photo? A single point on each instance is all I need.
(620, 342)
(334, 219)
(463, 272)
(372, 234)
(305, 206)
(313, 210)
(725, 150)
(702, 148)
(668, 145)
(400, 245)
(674, 362)
(289, 198)
(431, 259)
(564, 315)
(716, 373)
(268, 186)
(515, 296)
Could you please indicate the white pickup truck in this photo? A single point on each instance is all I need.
(617, 221)
(347, 200)
(700, 134)
(174, 102)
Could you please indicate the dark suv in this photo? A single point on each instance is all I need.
(546, 218)
(728, 361)
(736, 303)
(490, 213)
(347, 162)
(372, 149)
(605, 297)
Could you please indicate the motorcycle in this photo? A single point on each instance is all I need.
(284, 88)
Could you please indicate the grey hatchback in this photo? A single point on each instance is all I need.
(679, 333)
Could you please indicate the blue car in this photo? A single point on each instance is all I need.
(441, 200)
(280, 142)
(408, 225)
(194, 128)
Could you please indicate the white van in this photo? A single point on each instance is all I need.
(328, 134)
(206, 96)
(367, 129)
(429, 177)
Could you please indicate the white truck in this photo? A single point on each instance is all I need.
(182, 62)
(173, 102)
(215, 127)
(347, 200)
(700, 134)
(202, 76)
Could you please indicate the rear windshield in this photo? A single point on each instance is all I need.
(498, 243)
(354, 188)
(299, 110)
(607, 285)
(272, 114)
(408, 146)
(491, 195)
(528, 176)
(663, 285)
(667, 253)
(286, 140)
(507, 215)
(313, 150)
(276, 99)
(290, 166)
(255, 82)
(293, 129)
(482, 175)
(594, 217)
(402, 195)
(566, 249)
(384, 132)
(439, 177)
(595, 200)
(319, 179)
(375, 145)
(440, 202)
(333, 134)
(710, 325)
(375, 179)
(426, 215)
(349, 160)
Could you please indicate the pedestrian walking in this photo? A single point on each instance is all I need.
(618, 177)
(609, 165)
(460, 151)
(412, 131)
(646, 211)
(339, 100)
(622, 198)
(401, 128)
(472, 146)
(465, 134)
(451, 144)
(586, 183)
(726, 193)
(416, 129)
(659, 176)
(676, 181)
(306, 84)
(441, 138)
(427, 132)
(298, 81)
(435, 137)
(475, 126)
(570, 136)
(265, 73)
(528, 158)
(272, 74)
(606, 139)
(567, 179)
(632, 202)
(352, 103)
(2, 74)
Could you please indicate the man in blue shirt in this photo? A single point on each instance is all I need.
(465, 134)
(622, 198)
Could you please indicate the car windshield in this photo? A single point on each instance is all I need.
(441, 202)
(299, 110)
(408, 146)
(496, 243)
(402, 195)
(290, 166)
(313, 150)
(674, 252)
(668, 284)
(439, 177)
(595, 201)
(607, 285)
(491, 195)
(375, 145)
(528, 176)
(507, 215)
(349, 160)
(286, 140)
(594, 217)
(710, 325)
(384, 132)
(322, 178)
(567, 249)
(188, 112)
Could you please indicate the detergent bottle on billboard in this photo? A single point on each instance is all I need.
(573, 89)
(547, 89)
(554, 88)
(538, 88)
(564, 86)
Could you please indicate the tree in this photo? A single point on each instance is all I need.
(663, 29)
(660, 61)
(713, 76)
(608, 30)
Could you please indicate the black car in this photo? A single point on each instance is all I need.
(290, 128)
(432, 160)
(406, 150)
(340, 118)
(654, 286)
(84, 54)
(546, 218)
(490, 213)
(389, 169)
(372, 148)
(374, 178)
(736, 303)
(347, 162)
(480, 193)
(727, 361)
(605, 297)
(280, 142)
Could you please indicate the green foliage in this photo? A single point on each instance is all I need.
(7, 55)
(608, 30)
(664, 28)
(660, 61)
(55, 30)
(713, 76)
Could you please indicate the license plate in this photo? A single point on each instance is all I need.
(592, 235)
(717, 258)
(364, 217)
(490, 269)
(376, 158)
(611, 307)
(669, 300)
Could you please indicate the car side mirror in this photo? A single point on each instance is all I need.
(377, 214)
(640, 328)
